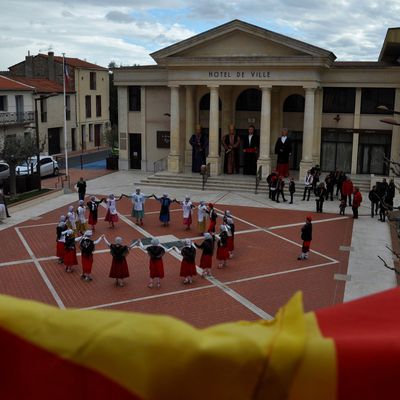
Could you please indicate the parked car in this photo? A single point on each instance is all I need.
(48, 166)
(4, 171)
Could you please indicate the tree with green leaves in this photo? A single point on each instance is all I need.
(14, 151)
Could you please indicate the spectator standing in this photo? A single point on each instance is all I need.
(81, 186)
(357, 199)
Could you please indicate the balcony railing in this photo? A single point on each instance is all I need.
(10, 118)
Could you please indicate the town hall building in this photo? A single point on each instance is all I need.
(241, 74)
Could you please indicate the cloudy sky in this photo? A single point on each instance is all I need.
(127, 31)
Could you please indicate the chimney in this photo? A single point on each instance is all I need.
(28, 66)
(51, 74)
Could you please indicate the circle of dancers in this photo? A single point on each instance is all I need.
(75, 231)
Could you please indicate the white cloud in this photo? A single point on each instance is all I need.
(128, 30)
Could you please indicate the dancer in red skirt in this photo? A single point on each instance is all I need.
(93, 207)
(222, 247)
(187, 206)
(70, 250)
(213, 218)
(228, 220)
(87, 246)
(61, 228)
(112, 214)
(156, 266)
(207, 252)
(306, 237)
(188, 264)
(119, 267)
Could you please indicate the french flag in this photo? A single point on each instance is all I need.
(66, 75)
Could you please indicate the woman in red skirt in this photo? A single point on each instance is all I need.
(70, 250)
(61, 228)
(87, 246)
(119, 267)
(207, 252)
(112, 214)
(156, 266)
(188, 264)
(93, 207)
(228, 220)
(213, 218)
(222, 249)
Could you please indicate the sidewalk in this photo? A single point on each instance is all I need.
(366, 274)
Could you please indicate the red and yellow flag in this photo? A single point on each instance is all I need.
(348, 351)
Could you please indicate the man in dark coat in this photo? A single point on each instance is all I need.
(251, 145)
(199, 144)
(306, 237)
(283, 149)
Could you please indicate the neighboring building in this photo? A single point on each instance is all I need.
(16, 108)
(249, 75)
(48, 99)
(89, 81)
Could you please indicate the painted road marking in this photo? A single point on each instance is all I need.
(40, 270)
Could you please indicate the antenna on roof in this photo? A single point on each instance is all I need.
(29, 53)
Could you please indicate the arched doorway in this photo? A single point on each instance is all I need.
(247, 112)
(293, 119)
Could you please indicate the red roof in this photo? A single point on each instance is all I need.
(76, 63)
(11, 84)
(42, 85)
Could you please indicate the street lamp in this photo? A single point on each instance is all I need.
(37, 134)
(390, 121)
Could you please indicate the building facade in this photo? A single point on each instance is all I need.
(87, 102)
(40, 107)
(242, 74)
(16, 108)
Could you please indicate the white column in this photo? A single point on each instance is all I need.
(356, 126)
(123, 130)
(308, 132)
(264, 159)
(395, 148)
(213, 138)
(189, 124)
(174, 154)
(317, 127)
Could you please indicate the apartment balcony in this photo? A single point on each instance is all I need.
(15, 118)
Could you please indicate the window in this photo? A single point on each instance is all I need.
(371, 98)
(88, 104)
(294, 103)
(93, 81)
(91, 133)
(249, 100)
(98, 106)
(68, 107)
(339, 100)
(3, 103)
(134, 98)
(43, 110)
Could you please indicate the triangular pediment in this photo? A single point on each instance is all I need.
(239, 44)
(238, 39)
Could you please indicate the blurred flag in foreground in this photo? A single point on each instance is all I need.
(350, 351)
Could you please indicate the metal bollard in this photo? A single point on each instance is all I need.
(81, 161)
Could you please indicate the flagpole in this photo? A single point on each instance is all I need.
(65, 124)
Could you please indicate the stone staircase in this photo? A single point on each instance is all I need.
(233, 183)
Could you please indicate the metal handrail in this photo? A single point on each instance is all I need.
(205, 173)
(160, 165)
(7, 118)
(258, 178)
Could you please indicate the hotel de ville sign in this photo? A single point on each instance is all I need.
(239, 74)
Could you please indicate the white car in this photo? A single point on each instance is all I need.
(48, 166)
(4, 171)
